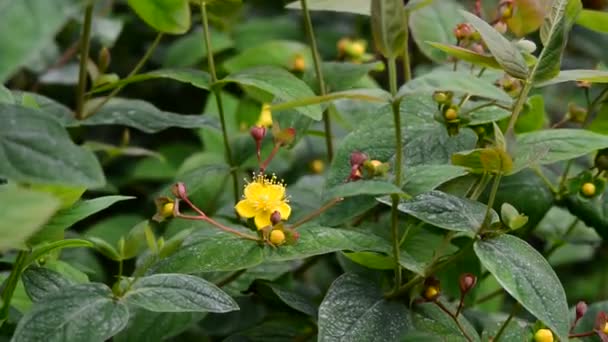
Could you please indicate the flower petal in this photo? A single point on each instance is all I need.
(262, 219)
(245, 209)
(284, 209)
(275, 192)
(253, 189)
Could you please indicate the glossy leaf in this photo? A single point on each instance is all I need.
(467, 55)
(196, 78)
(294, 299)
(424, 178)
(41, 282)
(435, 23)
(429, 318)
(593, 20)
(341, 75)
(593, 76)
(505, 52)
(554, 34)
(167, 16)
(527, 277)
(388, 27)
(354, 309)
(353, 6)
(52, 319)
(23, 212)
(178, 293)
(151, 326)
(280, 83)
(33, 35)
(35, 148)
(363, 187)
(447, 211)
(561, 144)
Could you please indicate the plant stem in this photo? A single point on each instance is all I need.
(316, 212)
(559, 244)
(85, 43)
(316, 57)
(11, 284)
(489, 296)
(407, 68)
(486, 220)
(218, 99)
(135, 70)
(481, 186)
(504, 325)
(392, 76)
(230, 278)
(454, 318)
(517, 108)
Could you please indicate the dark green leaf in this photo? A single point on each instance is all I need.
(353, 6)
(168, 16)
(40, 282)
(448, 211)
(528, 277)
(423, 178)
(35, 148)
(23, 213)
(151, 326)
(533, 117)
(388, 27)
(45, 20)
(178, 293)
(278, 53)
(355, 309)
(505, 52)
(280, 83)
(341, 75)
(431, 319)
(294, 299)
(196, 78)
(86, 312)
(363, 187)
(45, 248)
(190, 50)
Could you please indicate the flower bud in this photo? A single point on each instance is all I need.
(275, 218)
(478, 48)
(164, 208)
(505, 9)
(526, 45)
(167, 210)
(258, 132)
(500, 26)
(317, 166)
(442, 97)
(179, 190)
(467, 282)
(600, 321)
(432, 289)
(576, 113)
(451, 114)
(356, 49)
(285, 136)
(581, 309)
(376, 167)
(342, 44)
(277, 237)
(358, 158)
(583, 84)
(104, 59)
(265, 119)
(299, 64)
(543, 335)
(463, 31)
(588, 189)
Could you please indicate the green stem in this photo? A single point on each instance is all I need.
(407, 68)
(486, 220)
(545, 180)
(481, 186)
(504, 325)
(306, 101)
(218, 99)
(85, 43)
(603, 96)
(142, 61)
(392, 75)
(11, 284)
(316, 57)
(455, 319)
(517, 108)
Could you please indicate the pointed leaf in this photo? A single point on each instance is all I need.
(388, 27)
(168, 16)
(40, 282)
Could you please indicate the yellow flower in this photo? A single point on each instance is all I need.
(265, 119)
(262, 197)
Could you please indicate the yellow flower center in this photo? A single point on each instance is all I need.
(262, 197)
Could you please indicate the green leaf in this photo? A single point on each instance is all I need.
(431, 319)
(388, 27)
(593, 76)
(593, 20)
(41, 282)
(85, 312)
(447, 211)
(459, 82)
(554, 34)
(178, 293)
(423, 178)
(533, 117)
(189, 49)
(68, 195)
(363, 187)
(46, 19)
(467, 55)
(484, 160)
(372, 260)
(65, 218)
(293, 299)
(23, 213)
(278, 53)
(354, 309)
(5, 95)
(200, 253)
(353, 6)
(35, 148)
(505, 52)
(587, 322)
(484, 115)
(106, 249)
(527, 277)
(561, 144)
(341, 75)
(167, 16)
(435, 23)
(196, 78)
(527, 16)
(280, 83)
(151, 326)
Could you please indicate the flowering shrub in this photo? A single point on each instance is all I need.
(422, 170)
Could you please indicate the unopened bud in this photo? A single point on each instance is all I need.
(478, 48)
(467, 281)
(275, 218)
(588, 189)
(277, 237)
(451, 114)
(342, 44)
(600, 321)
(441, 97)
(432, 289)
(258, 132)
(581, 309)
(583, 84)
(356, 49)
(500, 26)
(104, 59)
(299, 64)
(358, 158)
(376, 167)
(505, 9)
(179, 190)
(285, 136)
(576, 113)
(317, 166)
(463, 31)
(526, 45)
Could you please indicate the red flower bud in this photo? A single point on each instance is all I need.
(467, 282)
(600, 321)
(357, 158)
(275, 218)
(581, 309)
(258, 132)
(179, 190)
